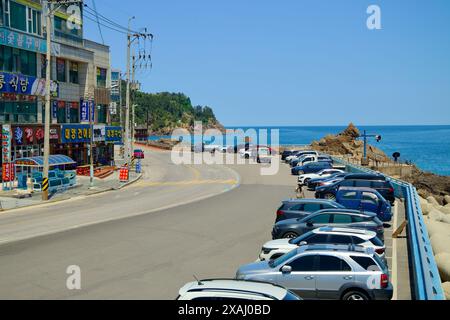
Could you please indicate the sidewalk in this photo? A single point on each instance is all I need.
(10, 199)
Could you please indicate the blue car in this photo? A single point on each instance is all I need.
(312, 167)
(297, 162)
(365, 199)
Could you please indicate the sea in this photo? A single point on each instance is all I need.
(426, 146)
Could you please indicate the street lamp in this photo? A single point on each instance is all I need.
(365, 161)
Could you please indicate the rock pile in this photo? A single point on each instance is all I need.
(347, 144)
(437, 220)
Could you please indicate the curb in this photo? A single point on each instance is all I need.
(50, 202)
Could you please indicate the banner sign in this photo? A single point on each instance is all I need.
(87, 110)
(55, 110)
(32, 135)
(26, 85)
(22, 41)
(99, 133)
(113, 135)
(76, 133)
(6, 143)
(8, 172)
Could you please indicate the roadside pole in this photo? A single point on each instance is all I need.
(91, 146)
(47, 102)
(127, 107)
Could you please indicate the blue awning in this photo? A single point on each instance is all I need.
(53, 160)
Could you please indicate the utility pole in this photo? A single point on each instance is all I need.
(50, 10)
(127, 107)
(91, 145)
(48, 30)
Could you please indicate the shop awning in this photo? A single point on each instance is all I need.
(38, 162)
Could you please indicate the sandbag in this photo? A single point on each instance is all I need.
(425, 206)
(440, 242)
(436, 215)
(437, 228)
(443, 264)
(446, 288)
(447, 199)
(432, 200)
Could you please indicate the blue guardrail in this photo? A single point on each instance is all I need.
(427, 282)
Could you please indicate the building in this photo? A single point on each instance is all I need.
(81, 84)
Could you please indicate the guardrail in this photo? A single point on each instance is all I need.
(427, 282)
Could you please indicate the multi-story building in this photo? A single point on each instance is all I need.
(81, 82)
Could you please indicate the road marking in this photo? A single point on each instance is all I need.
(186, 183)
(394, 257)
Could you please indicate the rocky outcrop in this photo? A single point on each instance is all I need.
(347, 144)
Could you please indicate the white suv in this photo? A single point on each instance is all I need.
(234, 290)
(326, 235)
(304, 178)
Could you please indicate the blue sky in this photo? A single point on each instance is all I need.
(295, 62)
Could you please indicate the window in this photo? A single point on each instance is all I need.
(34, 21)
(321, 219)
(370, 198)
(346, 183)
(61, 70)
(17, 61)
(43, 66)
(350, 195)
(1, 12)
(340, 239)
(366, 263)
(73, 72)
(101, 77)
(317, 239)
(18, 16)
(362, 183)
(74, 115)
(357, 219)
(342, 219)
(303, 264)
(376, 241)
(330, 263)
(311, 207)
(20, 112)
(102, 114)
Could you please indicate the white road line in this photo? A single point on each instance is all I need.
(394, 257)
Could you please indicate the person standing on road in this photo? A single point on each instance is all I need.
(300, 192)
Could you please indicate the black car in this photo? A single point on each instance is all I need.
(287, 153)
(377, 182)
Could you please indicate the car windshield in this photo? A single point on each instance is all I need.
(281, 260)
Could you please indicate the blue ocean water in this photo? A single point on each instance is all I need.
(426, 146)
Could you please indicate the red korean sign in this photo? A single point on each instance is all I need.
(8, 172)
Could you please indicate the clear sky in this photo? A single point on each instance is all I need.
(295, 62)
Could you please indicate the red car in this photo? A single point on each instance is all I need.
(138, 154)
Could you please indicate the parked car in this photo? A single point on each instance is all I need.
(300, 208)
(310, 158)
(343, 218)
(312, 167)
(377, 182)
(313, 183)
(300, 154)
(365, 199)
(364, 238)
(224, 290)
(305, 178)
(138, 154)
(288, 153)
(264, 155)
(339, 272)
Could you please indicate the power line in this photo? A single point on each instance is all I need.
(98, 22)
(104, 25)
(105, 19)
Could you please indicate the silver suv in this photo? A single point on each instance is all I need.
(326, 272)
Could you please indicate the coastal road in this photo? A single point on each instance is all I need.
(147, 240)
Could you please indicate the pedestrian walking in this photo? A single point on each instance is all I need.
(300, 192)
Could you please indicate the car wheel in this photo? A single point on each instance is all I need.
(306, 181)
(247, 156)
(330, 196)
(355, 296)
(290, 235)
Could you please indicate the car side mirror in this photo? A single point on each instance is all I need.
(310, 224)
(286, 269)
(303, 243)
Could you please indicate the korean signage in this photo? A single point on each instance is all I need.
(32, 135)
(115, 86)
(99, 133)
(25, 85)
(76, 133)
(113, 135)
(87, 110)
(22, 41)
(6, 143)
(8, 172)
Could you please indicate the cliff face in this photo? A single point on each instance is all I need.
(346, 143)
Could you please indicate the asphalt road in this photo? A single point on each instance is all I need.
(146, 241)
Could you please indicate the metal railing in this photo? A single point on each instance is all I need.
(427, 282)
